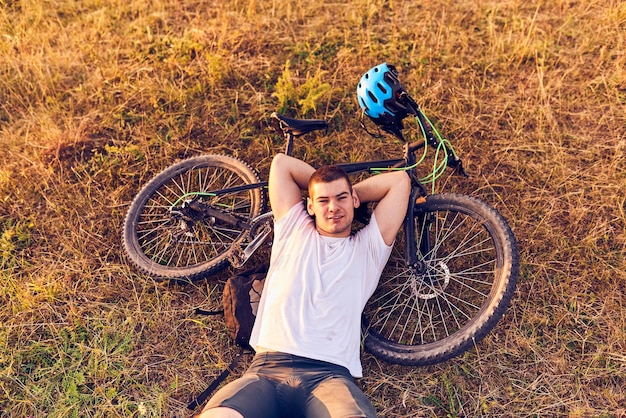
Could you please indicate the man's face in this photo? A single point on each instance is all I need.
(333, 205)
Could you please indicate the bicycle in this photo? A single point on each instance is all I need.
(449, 280)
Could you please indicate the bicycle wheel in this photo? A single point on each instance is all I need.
(458, 292)
(166, 238)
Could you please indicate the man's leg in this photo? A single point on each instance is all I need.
(250, 396)
(339, 397)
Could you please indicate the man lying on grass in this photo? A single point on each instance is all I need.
(307, 332)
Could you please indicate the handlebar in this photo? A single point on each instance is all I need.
(453, 161)
(291, 128)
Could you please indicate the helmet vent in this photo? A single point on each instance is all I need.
(382, 88)
(372, 96)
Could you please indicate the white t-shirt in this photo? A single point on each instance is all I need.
(316, 289)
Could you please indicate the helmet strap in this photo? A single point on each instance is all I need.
(364, 126)
(393, 127)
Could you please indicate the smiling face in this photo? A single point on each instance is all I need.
(332, 203)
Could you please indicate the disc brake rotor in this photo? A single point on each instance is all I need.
(432, 283)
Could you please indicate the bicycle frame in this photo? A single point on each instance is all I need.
(299, 127)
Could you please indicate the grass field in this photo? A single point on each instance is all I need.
(97, 96)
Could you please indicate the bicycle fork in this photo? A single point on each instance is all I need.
(413, 261)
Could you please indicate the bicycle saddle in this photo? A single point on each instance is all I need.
(299, 127)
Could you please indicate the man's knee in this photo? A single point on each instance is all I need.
(220, 412)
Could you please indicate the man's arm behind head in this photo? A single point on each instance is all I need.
(391, 192)
(288, 177)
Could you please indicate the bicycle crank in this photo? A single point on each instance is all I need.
(260, 229)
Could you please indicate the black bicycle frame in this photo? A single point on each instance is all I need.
(407, 162)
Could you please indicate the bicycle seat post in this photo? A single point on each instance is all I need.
(288, 134)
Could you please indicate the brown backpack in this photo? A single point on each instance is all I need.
(240, 298)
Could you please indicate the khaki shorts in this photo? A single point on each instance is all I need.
(283, 385)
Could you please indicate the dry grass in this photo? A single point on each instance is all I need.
(97, 96)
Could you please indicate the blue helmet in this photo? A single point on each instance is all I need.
(378, 92)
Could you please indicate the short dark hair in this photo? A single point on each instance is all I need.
(327, 174)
